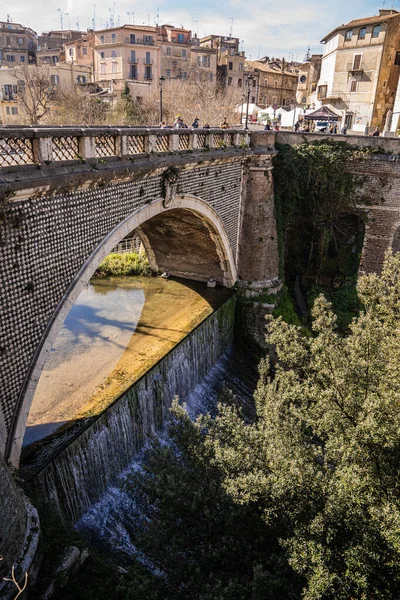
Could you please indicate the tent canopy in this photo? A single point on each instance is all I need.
(325, 113)
(252, 108)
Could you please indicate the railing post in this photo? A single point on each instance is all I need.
(236, 139)
(174, 142)
(121, 144)
(193, 140)
(87, 145)
(152, 143)
(42, 149)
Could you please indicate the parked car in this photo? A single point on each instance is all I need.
(321, 127)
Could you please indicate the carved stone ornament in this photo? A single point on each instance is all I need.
(170, 185)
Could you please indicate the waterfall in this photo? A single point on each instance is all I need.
(74, 479)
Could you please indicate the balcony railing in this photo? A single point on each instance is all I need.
(148, 62)
(27, 145)
(355, 68)
(123, 40)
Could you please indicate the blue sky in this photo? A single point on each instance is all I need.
(267, 27)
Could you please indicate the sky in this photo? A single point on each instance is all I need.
(267, 27)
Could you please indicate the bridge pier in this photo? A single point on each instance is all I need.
(258, 257)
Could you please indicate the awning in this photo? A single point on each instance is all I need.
(323, 114)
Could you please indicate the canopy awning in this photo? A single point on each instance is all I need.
(323, 114)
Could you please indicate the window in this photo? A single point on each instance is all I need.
(254, 83)
(14, 110)
(10, 58)
(8, 110)
(168, 73)
(275, 84)
(210, 77)
(266, 82)
(148, 58)
(397, 58)
(184, 75)
(203, 61)
(240, 66)
(148, 39)
(20, 41)
(102, 39)
(113, 54)
(253, 99)
(102, 55)
(113, 37)
(22, 58)
(55, 80)
(133, 72)
(181, 38)
(274, 100)
(184, 53)
(353, 85)
(348, 36)
(132, 38)
(102, 68)
(114, 67)
(362, 33)
(283, 101)
(70, 52)
(147, 73)
(322, 91)
(239, 83)
(357, 62)
(8, 40)
(303, 78)
(133, 56)
(304, 100)
(81, 79)
(230, 67)
(229, 80)
(376, 31)
(168, 51)
(84, 50)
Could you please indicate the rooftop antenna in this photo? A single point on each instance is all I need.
(119, 20)
(61, 17)
(197, 27)
(8, 19)
(77, 23)
(69, 22)
(259, 53)
(94, 17)
(231, 29)
(158, 15)
(308, 54)
(148, 19)
(129, 17)
(133, 18)
(88, 23)
(111, 18)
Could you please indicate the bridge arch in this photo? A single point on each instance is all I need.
(187, 238)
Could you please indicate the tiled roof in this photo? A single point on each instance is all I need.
(360, 22)
(255, 64)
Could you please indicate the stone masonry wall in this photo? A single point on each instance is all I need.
(48, 239)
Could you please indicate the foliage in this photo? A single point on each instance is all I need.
(322, 458)
(74, 106)
(129, 263)
(202, 544)
(313, 190)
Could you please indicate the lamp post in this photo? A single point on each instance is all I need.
(161, 81)
(250, 79)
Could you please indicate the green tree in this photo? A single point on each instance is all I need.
(322, 457)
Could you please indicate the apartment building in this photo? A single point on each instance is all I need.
(50, 50)
(360, 70)
(203, 63)
(271, 85)
(175, 44)
(18, 44)
(230, 60)
(308, 77)
(81, 50)
(129, 52)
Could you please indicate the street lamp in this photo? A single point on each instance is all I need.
(161, 81)
(250, 80)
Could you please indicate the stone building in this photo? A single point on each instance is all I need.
(360, 70)
(230, 60)
(50, 50)
(18, 44)
(81, 51)
(271, 85)
(308, 77)
(203, 63)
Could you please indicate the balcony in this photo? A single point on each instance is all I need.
(109, 41)
(133, 61)
(148, 62)
(355, 67)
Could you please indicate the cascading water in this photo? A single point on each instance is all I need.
(112, 521)
(76, 478)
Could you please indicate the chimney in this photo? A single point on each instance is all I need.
(387, 11)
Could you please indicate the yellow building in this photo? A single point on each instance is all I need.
(230, 60)
(272, 85)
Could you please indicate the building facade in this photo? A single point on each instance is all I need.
(175, 44)
(360, 70)
(308, 77)
(18, 45)
(230, 60)
(271, 85)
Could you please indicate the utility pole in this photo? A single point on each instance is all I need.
(61, 17)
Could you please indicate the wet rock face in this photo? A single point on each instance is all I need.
(13, 521)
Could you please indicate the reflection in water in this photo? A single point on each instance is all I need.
(92, 340)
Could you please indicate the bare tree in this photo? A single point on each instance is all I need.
(35, 91)
(74, 106)
(13, 579)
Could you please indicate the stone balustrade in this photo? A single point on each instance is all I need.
(29, 145)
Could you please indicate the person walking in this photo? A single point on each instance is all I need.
(376, 133)
(195, 123)
(343, 131)
(297, 126)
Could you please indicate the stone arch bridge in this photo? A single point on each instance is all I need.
(201, 201)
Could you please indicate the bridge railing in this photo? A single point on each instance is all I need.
(28, 145)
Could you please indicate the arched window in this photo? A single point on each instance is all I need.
(349, 35)
(376, 31)
(362, 33)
